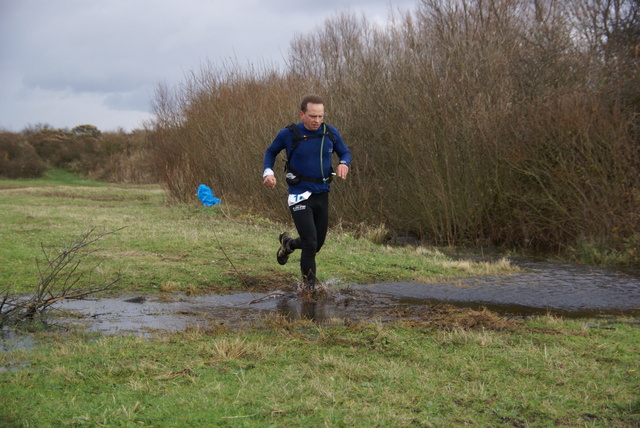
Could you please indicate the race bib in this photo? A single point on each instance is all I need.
(294, 199)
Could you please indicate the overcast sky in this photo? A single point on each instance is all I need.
(72, 62)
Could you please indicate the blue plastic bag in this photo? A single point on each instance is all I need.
(205, 194)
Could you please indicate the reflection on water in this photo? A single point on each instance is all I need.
(297, 310)
(577, 291)
(318, 311)
(560, 288)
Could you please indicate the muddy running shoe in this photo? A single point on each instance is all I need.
(284, 251)
(310, 283)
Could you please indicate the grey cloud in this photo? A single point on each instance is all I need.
(80, 81)
(137, 100)
(114, 52)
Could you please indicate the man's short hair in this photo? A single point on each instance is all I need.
(313, 99)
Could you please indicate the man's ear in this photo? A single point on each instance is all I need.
(301, 114)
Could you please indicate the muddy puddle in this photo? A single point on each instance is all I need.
(566, 290)
(177, 312)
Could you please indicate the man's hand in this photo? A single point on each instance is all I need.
(269, 181)
(342, 170)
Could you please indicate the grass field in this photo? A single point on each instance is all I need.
(187, 247)
(449, 367)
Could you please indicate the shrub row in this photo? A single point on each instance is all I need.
(113, 156)
(510, 122)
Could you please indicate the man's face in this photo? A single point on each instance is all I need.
(313, 117)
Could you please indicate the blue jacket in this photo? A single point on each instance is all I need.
(306, 157)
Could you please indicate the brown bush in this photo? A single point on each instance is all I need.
(112, 156)
(470, 122)
(125, 158)
(18, 159)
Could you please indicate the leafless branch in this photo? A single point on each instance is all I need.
(62, 275)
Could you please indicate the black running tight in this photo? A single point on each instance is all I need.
(311, 218)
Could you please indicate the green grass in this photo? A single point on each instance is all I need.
(445, 367)
(543, 373)
(188, 246)
(52, 177)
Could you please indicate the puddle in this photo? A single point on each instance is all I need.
(562, 289)
(12, 340)
(178, 312)
(566, 290)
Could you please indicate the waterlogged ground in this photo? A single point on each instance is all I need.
(561, 289)
(177, 312)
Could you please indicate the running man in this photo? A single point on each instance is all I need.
(309, 146)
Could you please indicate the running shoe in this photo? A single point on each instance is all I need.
(284, 251)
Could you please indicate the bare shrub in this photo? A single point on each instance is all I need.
(62, 275)
(215, 131)
(509, 122)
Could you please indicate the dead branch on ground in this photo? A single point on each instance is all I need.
(62, 275)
